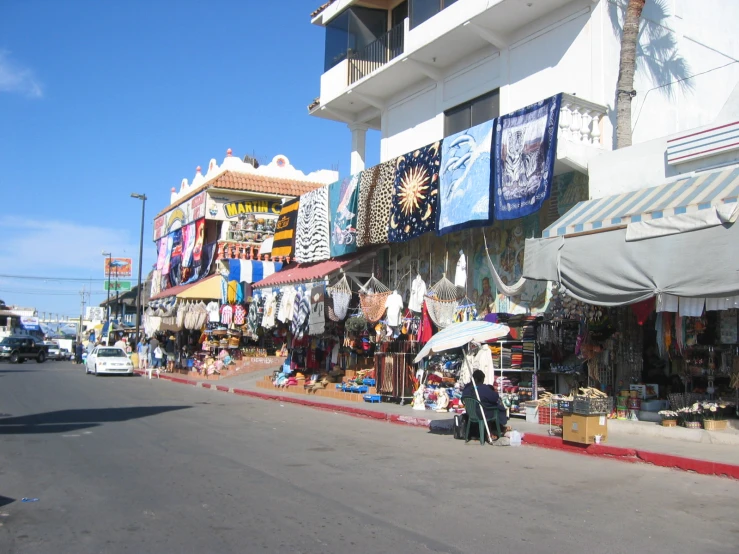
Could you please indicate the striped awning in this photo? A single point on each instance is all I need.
(692, 194)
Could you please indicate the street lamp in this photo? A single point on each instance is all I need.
(107, 270)
(141, 197)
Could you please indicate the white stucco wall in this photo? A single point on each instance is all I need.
(575, 50)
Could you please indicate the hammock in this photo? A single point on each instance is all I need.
(339, 296)
(372, 299)
(441, 301)
(513, 290)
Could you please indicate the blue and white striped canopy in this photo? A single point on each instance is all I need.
(459, 334)
(687, 195)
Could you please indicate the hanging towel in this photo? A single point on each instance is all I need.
(188, 241)
(284, 240)
(460, 276)
(525, 148)
(312, 231)
(667, 302)
(343, 197)
(234, 270)
(197, 249)
(691, 307)
(162, 253)
(167, 253)
(465, 195)
(373, 209)
(415, 193)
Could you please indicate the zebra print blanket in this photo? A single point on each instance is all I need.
(312, 232)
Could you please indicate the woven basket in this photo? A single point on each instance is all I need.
(669, 423)
(714, 424)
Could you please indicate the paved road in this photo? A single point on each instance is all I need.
(139, 466)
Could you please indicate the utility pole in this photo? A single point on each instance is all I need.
(82, 314)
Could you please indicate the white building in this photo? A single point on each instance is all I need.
(419, 70)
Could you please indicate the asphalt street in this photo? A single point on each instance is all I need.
(125, 464)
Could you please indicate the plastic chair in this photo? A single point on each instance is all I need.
(470, 406)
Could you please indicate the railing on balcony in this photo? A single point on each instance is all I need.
(376, 54)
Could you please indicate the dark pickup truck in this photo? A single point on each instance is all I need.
(19, 349)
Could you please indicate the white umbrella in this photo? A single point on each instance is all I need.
(459, 334)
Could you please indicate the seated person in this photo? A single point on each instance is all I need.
(489, 399)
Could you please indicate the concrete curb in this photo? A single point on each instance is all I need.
(702, 467)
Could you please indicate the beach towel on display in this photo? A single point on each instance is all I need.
(375, 198)
(525, 147)
(283, 244)
(415, 193)
(465, 194)
(188, 244)
(312, 230)
(197, 249)
(343, 208)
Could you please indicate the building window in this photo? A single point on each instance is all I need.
(352, 30)
(421, 10)
(471, 113)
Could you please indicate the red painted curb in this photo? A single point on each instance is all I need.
(703, 467)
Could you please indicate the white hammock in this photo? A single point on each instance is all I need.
(513, 290)
(441, 301)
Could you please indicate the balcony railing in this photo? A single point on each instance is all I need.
(376, 54)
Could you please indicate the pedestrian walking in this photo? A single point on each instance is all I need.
(169, 348)
(143, 351)
(158, 355)
(78, 353)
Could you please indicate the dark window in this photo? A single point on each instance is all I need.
(352, 30)
(471, 113)
(421, 10)
(399, 13)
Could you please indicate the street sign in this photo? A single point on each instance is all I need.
(118, 267)
(95, 313)
(117, 286)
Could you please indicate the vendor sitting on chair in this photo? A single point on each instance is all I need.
(489, 399)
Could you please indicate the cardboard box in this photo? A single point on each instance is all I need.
(582, 429)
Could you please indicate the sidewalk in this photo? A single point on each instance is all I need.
(704, 452)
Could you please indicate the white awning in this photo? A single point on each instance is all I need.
(693, 251)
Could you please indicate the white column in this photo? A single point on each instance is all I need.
(359, 138)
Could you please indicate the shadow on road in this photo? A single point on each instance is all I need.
(63, 421)
(4, 501)
(17, 370)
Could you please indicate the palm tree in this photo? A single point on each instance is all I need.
(626, 69)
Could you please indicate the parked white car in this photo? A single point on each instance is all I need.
(108, 360)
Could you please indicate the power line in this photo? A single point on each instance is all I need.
(49, 293)
(37, 278)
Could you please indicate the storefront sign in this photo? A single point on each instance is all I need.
(94, 313)
(226, 207)
(30, 323)
(117, 286)
(178, 217)
(118, 267)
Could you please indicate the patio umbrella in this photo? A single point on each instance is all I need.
(460, 334)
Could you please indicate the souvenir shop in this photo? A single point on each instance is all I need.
(655, 295)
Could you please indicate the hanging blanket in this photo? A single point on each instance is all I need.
(343, 208)
(375, 198)
(161, 253)
(317, 318)
(415, 193)
(312, 230)
(284, 240)
(465, 195)
(525, 148)
(188, 244)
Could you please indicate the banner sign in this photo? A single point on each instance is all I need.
(178, 217)
(118, 267)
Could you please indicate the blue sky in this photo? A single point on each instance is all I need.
(99, 99)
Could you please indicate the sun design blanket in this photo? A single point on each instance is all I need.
(342, 196)
(465, 193)
(312, 231)
(525, 149)
(375, 197)
(415, 194)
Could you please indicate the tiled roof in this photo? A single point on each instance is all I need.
(306, 273)
(234, 180)
(318, 10)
